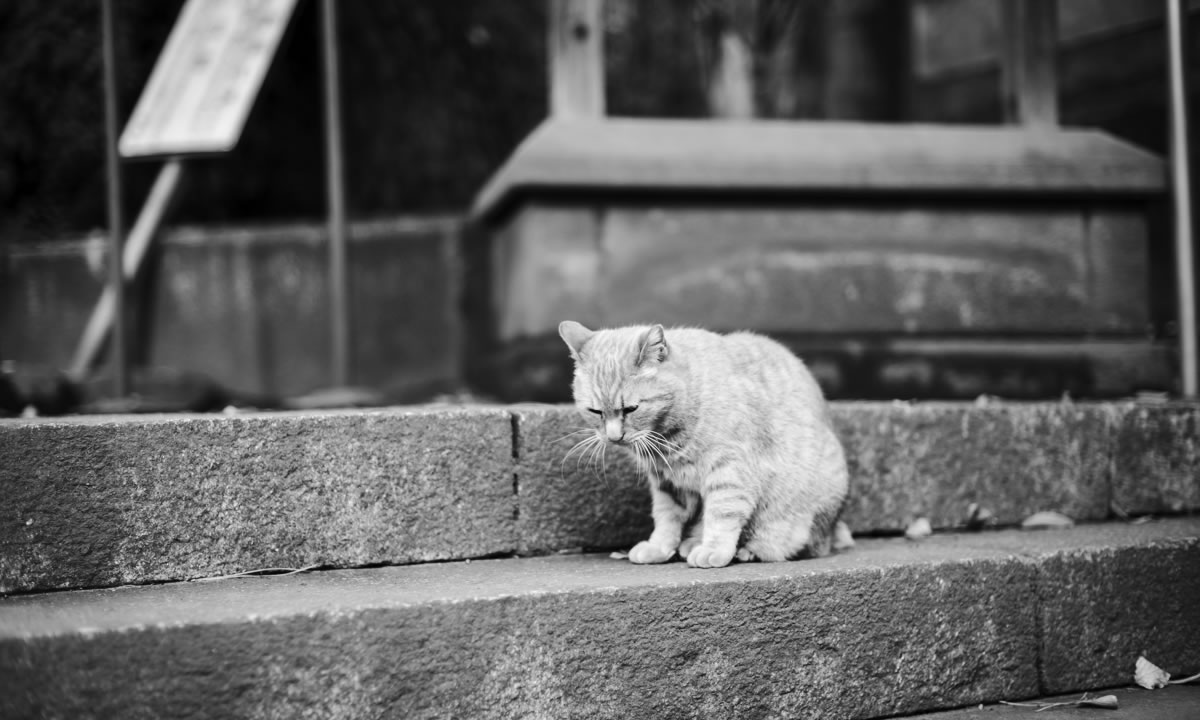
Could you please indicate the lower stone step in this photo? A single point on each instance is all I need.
(890, 627)
(1174, 702)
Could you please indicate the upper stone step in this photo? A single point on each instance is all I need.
(100, 501)
(890, 627)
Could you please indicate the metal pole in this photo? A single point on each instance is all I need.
(338, 302)
(116, 230)
(1181, 188)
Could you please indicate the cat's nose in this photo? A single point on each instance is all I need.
(614, 429)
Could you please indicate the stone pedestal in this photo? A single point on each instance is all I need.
(912, 261)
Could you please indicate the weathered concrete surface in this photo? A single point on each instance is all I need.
(906, 461)
(890, 627)
(934, 459)
(106, 500)
(1103, 606)
(241, 304)
(1157, 459)
(1177, 702)
(1109, 592)
(574, 497)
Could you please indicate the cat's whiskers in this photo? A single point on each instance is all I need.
(599, 455)
(662, 455)
(663, 442)
(573, 433)
(636, 444)
(584, 448)
(649, 442)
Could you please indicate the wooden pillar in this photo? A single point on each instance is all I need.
(576, 53)
(1029, 68)
(729, 30)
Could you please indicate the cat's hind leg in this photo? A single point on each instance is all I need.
(744, 555)
(780, 539)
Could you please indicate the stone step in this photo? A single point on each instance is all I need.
(890, 627)
(101, 501)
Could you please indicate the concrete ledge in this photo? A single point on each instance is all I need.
(574, 499)
(889, 628)
(104, 501)
(639, 155)
(908, 461)
(934, 460)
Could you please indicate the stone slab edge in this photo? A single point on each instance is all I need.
(1089, 461)
(102, 501)
(892, 627)
(105, 501)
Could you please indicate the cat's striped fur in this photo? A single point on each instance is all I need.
(732, 432)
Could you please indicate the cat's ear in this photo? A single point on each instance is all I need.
(653, 346)
(574, 335)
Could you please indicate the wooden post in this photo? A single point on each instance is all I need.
(728, 29)
(1029, 68)
(106, 314)
(118, 356)
(1181, 192)
(576, 52)
(339, 306)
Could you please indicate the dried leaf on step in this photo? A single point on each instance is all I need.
(1104, 701)
(919, 528)
(1149, 675)
(618, 555)
(1047, 520)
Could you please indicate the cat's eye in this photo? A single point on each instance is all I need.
(629, 409)
(594, 410)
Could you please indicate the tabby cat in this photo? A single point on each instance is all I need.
(732, 432)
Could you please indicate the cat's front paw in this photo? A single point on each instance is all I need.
(646, 554)
(702, 556)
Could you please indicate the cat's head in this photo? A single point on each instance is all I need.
(625, 382)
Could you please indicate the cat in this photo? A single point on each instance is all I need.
(732, 432)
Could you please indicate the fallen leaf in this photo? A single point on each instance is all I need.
(918, 529)
(1149, 675)
(1104, 701)
(1047, 520)
(618, 555)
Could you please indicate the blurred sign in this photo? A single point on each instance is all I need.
(206, 78)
